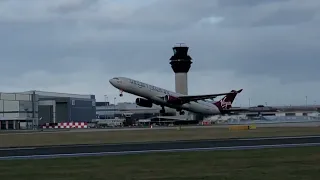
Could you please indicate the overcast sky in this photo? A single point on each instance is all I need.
(270, 48)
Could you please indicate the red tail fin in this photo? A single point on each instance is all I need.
(226, 102)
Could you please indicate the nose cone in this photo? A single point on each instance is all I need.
(112, 81)
(116, 82)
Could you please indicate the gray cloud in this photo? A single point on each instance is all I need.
(235, 3)
(284, 17)
(273, 39)
(74, 6)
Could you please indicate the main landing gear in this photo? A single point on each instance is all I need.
(162, 111)
(121, 93)
(181, 112)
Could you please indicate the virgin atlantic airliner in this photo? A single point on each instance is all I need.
(150, 95)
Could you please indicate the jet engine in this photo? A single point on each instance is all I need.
(172, 99)
(144, 102)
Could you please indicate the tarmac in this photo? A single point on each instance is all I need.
(148, 147)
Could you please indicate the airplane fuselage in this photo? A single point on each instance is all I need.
(156, 94)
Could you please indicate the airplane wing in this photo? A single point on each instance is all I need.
(252, 109)
(203, 97)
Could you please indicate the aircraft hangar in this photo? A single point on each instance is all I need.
(32, 108)
(63, 107)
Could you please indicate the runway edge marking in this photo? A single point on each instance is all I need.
(154, 151)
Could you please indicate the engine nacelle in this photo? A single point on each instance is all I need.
(144, 102)
(172, 99)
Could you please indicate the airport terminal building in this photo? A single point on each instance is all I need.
(32, 108)
(110, 111)
(131, 113)
(27, 110)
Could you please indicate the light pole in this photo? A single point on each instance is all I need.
(114, 105)
(105, 104)
(306, 100)
(249, 101)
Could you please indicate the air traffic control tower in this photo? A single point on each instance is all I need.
(180, 64)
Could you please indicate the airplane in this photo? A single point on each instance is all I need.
(194, 103)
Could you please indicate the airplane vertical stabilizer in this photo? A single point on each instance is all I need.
(226, 101)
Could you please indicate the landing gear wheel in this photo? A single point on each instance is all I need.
(120, 94)
(181, 112)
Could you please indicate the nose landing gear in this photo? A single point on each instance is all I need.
(121, 93)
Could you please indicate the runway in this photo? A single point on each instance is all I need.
(172, 146)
